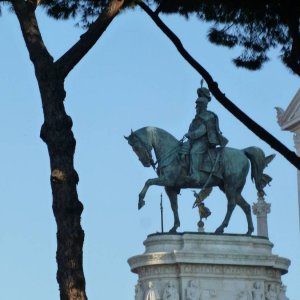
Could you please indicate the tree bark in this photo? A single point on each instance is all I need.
(57, 133)
(291, 156)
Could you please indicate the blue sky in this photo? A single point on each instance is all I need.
(132, 78)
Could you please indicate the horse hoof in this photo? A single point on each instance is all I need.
(141, 204)
(173, 230)
(249, 232)
(219, 231)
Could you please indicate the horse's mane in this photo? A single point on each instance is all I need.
(155, 132)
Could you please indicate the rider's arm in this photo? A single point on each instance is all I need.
(197, 133)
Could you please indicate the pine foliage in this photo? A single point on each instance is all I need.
(254, 26)
(86, 10)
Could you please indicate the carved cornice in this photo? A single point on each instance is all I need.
(206, 249)
(289, 119)
(213, 259)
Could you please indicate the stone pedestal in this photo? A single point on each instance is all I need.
(261, 209)
(199, 266)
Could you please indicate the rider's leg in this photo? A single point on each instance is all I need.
(196, 161)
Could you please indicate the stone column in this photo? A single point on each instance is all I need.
(297, 143)
(297, 147)
(261, 209)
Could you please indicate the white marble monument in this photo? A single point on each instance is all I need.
(289, 120)
(201, 266)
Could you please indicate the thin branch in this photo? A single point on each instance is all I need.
(72, 57)
(228, 104)
(227, 27)
(158, 9)
(33, 3)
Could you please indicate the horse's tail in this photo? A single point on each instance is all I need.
(258, 163)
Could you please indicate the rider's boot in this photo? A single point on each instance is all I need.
(193, 178)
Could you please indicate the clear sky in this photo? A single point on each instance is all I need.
(132, 78)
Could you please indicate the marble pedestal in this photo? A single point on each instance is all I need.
(200, 266)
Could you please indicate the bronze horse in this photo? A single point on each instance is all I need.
(172, 173)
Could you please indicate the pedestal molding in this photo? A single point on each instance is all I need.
(207, 266)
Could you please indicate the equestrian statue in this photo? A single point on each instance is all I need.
(202, 161)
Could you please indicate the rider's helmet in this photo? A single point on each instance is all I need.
(203, 95)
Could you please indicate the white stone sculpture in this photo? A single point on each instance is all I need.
(271, 293)
(282, 293)
(244, 295)
(208, 294)
(138, 291)
(170, 292)
(257, 292)
(280, 113)
(193, 291)
(151, 293)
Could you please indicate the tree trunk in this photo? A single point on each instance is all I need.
(57, 133)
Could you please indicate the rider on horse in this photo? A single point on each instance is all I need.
(203, 134)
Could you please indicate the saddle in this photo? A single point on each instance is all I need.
(211, 162)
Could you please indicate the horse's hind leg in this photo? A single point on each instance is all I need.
(244, 205)
(231, 198)
(172, 194)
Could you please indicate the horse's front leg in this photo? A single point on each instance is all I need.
(172, 194)
(148, 183)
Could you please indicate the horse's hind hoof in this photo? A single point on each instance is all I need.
(249, 233)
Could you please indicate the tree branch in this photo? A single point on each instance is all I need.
(213, 87)
(31, 33)
(72, 57)
(158, 9)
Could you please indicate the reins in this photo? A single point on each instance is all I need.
(167, 155)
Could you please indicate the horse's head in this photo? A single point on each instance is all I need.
(141, 149)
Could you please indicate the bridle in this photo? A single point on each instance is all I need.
(146, 147)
